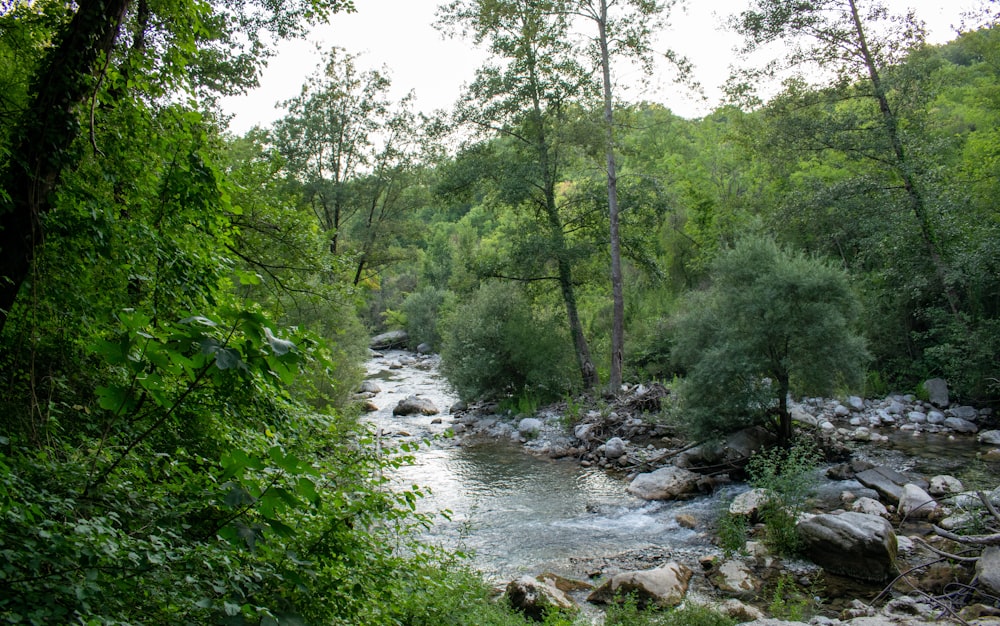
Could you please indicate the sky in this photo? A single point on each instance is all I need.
(399, 35)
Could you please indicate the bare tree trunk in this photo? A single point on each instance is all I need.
(618, 300)
(44, 134)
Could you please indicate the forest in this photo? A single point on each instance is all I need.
(185, 313)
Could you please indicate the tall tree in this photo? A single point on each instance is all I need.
(525, 97)
(624, 31)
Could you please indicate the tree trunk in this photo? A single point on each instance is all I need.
(44, 134)
(618, 301)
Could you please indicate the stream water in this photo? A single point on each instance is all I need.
(515, 512)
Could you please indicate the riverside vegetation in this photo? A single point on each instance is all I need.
(184, 312)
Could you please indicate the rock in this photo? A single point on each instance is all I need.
(458, 407)
(943, 485)
(989, 437)
(369, 386)
(915, 503)
(584, 432)
(886, 481)
(841, 411)
(391, 339)
(968, 413)
(529, 426)
(739, 611)
(988, 570)
(847, 471)
(868, 506)
(685, 520)
(749, 503)
(413, 405)
(535, 598)
(937, 391)
(663, 586)
(564, 584)
(369, 406)
(665, 483)
(960, 425)
(425, 348)
(800, 415)
(855, 403)
(935, 417)
(851, 544)
(614, 448)
(734, 578)
(916, 417)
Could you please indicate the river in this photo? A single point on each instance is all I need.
(517, 513)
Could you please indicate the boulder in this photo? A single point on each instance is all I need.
(988, 570)
(663, 586)
(666, 483)
(989, 437)
(535, 598)
(869, 506)
(369, 386)
(968, 413)
(886, 481)
(847, 471)
(851, 544)
(734, 578)
(944, 485)
(915, 503)
(937, 392)
(960, 425)
(529, 426)
(749, 503)
(425, 348)
(415, 405)
(614, 448)
(391, 339)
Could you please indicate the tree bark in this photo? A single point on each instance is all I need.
(47, 129)
(617, 297)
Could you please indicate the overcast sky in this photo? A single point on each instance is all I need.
(399, 35)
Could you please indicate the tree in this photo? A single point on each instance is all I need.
(771, 322)
(525, 98)
(175, 46)
(624, 30)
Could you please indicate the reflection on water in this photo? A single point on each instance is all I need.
(518, 513)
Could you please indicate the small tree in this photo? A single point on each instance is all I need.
(772, 320)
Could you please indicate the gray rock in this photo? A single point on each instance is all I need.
(369, 386)
(855, 403)
(989, 437)
(841, 411)
(935, 417)
(734, 578)
(916, 417)
(887, 482)
(869, 506)
(529, 426)
(749, 503)
(937, 391)
(664, 586)
(414, 405)
(943, 485)
(915, 503)
(895, 407)
(855, 545)
(960, 425)
(665, 483)
(584, 432)
(988, 570)
(965, 412)
(425, 348)
(391, 339)
(614, 448)
(535, 598)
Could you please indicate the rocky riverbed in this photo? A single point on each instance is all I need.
(885, 534)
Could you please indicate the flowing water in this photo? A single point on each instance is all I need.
(518, 513)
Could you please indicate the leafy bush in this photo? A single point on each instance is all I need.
(772, 321)
(628, 613)
(788, 475)
(732, 531)
(496, 347)
(423, 311)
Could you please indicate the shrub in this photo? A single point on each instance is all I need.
(496, 347)
(788, 475)
(422, 311)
